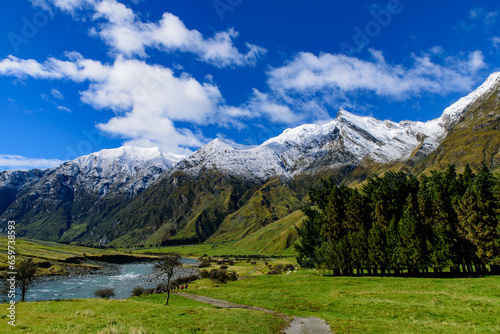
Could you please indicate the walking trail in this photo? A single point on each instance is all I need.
(298, 325)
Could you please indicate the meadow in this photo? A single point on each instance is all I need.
(137, 315)
(348, 304)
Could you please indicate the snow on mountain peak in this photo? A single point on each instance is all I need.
(128, 169)
(345, 140)
(453, 112)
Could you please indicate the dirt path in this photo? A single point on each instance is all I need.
(298, 325)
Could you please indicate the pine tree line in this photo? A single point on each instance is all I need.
(404, 225)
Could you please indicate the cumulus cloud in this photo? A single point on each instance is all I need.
(75, 68)
(147, 99)
(126, 34)
(308, 85)
(8, 162)
(308, 74)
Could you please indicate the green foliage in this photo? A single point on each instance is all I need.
(137, 291)
(478, 212)
(25, 276)
(166, 266)
(401, 223)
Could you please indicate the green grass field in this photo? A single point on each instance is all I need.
(138, 315)
(217, 249)
(42, 251)
(349, 304)
(372, 304)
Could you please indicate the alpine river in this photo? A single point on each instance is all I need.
(130, 276)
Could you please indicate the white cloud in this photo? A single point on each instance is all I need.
(309, 74)
(76, 68)
(57, 94)
(62, 108)
(8, 162)
(496, 42)
(480, 14)
(127, 35)
(277, 112)
(147, 99)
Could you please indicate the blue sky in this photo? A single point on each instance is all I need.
(78, 76)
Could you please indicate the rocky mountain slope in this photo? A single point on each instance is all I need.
(226, 191)
(46, 202)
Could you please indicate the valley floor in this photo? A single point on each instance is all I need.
(348, 304)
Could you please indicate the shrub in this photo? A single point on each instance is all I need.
(223, 267)
(278, 268)
(220, 276)
(253, 263)
(289, 267)
(137, 291)
(185, 280)
(105, 293)
(273, 272)
(204, 264)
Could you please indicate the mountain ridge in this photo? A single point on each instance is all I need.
(134, 196)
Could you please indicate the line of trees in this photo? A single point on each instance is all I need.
(401, 224)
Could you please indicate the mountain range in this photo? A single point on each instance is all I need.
(225, 191)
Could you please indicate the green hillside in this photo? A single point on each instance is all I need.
(277, 237)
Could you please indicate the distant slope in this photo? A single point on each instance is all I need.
(272, 201)
(277, 237)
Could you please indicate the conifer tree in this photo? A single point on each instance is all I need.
(478, 210)
(411, 251)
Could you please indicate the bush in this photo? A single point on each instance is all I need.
(137, 291)
(204, 273)
(204, 264)
(278, 268)
(223, 267)
(219, 276)
(289, 267)
(273, 272)
(105, 293)
(253, 263)
(185, 280)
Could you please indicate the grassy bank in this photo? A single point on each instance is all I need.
(197, 250)
(372, 304)
(54, 255)
(138, 315)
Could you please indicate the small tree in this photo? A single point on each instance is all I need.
(165, 266)
(25, 277)
(105, 293)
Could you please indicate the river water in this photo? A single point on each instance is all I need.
(130, 276)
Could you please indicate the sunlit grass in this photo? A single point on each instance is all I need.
(145, 314)
(373, 304)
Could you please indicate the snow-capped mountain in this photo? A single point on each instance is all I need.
(127, 169)
(101, 198)
(346, 140)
